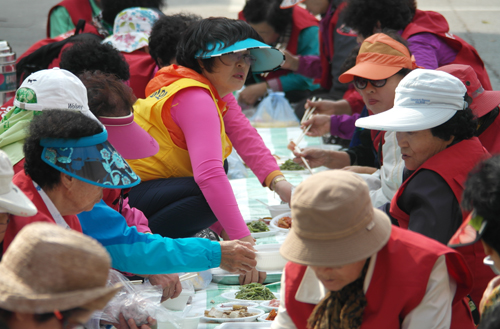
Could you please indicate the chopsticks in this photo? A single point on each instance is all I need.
(307, 115)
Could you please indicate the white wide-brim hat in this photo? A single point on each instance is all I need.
(424, 99)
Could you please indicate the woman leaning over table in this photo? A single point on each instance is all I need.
(193, 115)
(435, 130)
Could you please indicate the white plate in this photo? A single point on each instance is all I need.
(272, 230)
(230, 295)
(267, 307)
(245, 325)
(258, 312)
(274, 222)
(263, 317)
(242, 302)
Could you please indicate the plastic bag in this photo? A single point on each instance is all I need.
(137, 302)
(236, 167)
(274, 111)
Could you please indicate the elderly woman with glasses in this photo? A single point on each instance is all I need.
(435, 130)
(191, 112)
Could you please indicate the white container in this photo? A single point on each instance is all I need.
(269, 258)
(191, 321)
(178, 303)
(279, 209)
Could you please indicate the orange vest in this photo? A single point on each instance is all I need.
(171, 160)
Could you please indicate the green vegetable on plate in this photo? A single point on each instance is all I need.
(290, 165)
(257, 226)
(254, 291)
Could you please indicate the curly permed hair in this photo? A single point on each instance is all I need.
(461, 126)
(53, 124)
(364, 15)
(91, 55)
(166, 34)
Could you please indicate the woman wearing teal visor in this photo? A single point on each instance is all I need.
(194, 117)
(68, 162)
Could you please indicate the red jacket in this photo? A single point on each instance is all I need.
(453, 167)
(16, 223)
(141, 67)
(301, 19)
(398, 285)
(77, 9)
(435, 23)
(490, 138)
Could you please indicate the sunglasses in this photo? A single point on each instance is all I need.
(361, 83)
(236, 57)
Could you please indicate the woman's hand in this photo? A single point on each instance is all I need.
(170, 284)
(291, 61)
(252, 275)
(360, 169)
(330, 107)
(487, 292)
(130, 323)
(318, 157)
(238, 256)
(251, 94)
(284, 190)
(320, 125)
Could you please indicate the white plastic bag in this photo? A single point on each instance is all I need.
(137, 302)
(274, 111)
(236, 167)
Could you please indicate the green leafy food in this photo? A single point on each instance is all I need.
(254, 291)
(257, 226)
(290, 165)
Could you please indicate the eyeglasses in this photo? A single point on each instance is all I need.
(236, 57)
(361, 83)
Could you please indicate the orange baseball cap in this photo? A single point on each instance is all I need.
(379, 57)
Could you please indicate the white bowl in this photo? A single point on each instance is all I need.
(488, 261)
(279, 209)
(269, 258)
(178, 303)
(266, 306)
(274, 222)
(263, 317)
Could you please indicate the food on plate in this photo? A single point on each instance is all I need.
(266, 220)
(238, 311)
(257, 226)
(274, 303)
(272, 315)
(290, 165)
(285, 222)
(254, 291)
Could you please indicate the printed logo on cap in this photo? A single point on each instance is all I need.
(420, 101)
(73, 106)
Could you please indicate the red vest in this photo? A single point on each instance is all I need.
(301, 19)
(397, 285)
(490, 138)
(77, 9)
(435, 23)
(141, 67)
(453, 165)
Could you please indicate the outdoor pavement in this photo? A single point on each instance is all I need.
(22, 22)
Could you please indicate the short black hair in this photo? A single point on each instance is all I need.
(203, 34)
(482, 194)
(166, 34)
(111, 8)
(491, 318)
(53, 124)
(107, 95)
(461, 126)
(363, 15)
(91, 55)
(269, 11)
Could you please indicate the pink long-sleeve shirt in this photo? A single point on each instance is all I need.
(201, 128)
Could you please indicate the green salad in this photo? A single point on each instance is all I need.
(290, 165)
(254, 291)
(257, 226)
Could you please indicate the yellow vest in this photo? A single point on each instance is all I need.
(171, 160)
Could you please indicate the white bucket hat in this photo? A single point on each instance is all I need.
(424, 99)
(12, 199)
(55, 89)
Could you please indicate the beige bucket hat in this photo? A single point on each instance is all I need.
(48, 268)
(334, 222)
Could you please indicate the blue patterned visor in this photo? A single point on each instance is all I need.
(90, 159)
(267, 57)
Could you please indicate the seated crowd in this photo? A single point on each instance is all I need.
(114, 155)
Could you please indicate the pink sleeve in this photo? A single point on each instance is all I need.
(135, 217)
(247, 141)
(195, 113)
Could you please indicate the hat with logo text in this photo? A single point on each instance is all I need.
(424, 99)
(54, 89)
